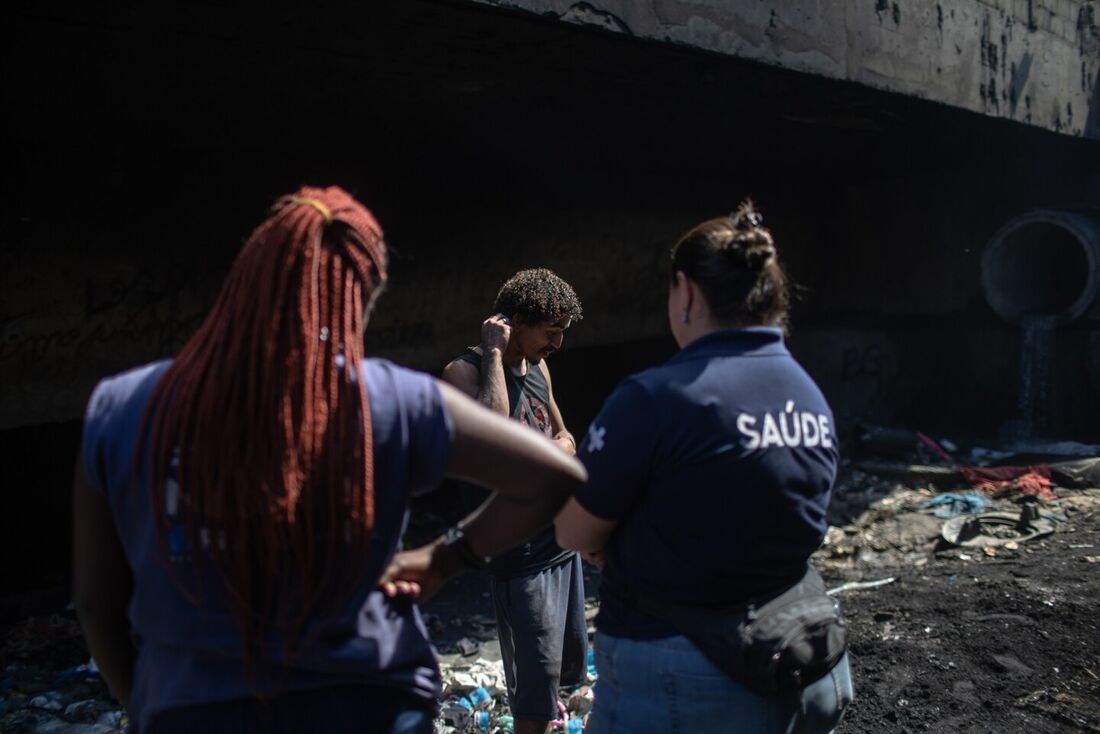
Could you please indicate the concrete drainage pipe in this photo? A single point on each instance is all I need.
(1043, 265)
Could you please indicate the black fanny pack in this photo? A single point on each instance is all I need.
(774, 645)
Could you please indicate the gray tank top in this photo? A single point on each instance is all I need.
(528, 403)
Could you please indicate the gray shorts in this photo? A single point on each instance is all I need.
(543, 636)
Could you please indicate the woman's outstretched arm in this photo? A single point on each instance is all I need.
(531, 477)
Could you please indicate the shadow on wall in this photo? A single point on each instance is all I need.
(36, 523)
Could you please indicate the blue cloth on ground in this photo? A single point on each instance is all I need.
(953, 504)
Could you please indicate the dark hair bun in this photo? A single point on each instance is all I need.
(745, 217)
(750, 240)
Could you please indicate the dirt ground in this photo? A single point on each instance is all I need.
(963, 639)
(971, 643)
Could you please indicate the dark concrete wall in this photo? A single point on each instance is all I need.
(146, 143)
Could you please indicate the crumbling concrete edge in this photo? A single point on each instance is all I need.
(1032, 61)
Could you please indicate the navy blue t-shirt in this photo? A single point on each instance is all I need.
(718, 467)
(191, 653)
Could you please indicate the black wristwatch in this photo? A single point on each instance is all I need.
(457, 541)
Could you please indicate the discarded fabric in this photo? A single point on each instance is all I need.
(1033, 481)
(952, 504)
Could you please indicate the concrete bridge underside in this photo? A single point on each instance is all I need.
(143, 144)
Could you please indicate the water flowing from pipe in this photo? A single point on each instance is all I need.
(1035, 361)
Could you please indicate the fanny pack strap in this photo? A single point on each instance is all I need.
(772, 644)
(683, 615)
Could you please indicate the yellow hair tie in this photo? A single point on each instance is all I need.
(316, 205)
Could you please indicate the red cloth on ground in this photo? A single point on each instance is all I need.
(1033, 481)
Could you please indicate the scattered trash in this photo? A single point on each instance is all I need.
(915, 473)
(952, 504)
(580, 703)
(480, 698)
(468, 647)
(860, 585)
(1032, 481)
(885, 515)
(1058, 448)
(475, 696)
(1077, 474)
(936, 448)
(902, 444)
(481, 673)
(982, 456)
(45, 688)
(49, 703)
(996, 528)
(456, 713)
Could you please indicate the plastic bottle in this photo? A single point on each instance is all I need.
(480, 698)
(456, 713)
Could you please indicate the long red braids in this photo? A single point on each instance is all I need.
(264, 410)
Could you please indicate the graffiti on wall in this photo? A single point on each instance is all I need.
(53, 350)
(871, 368)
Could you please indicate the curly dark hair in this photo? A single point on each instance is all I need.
(537, 295)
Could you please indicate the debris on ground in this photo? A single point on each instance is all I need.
(971, 604)
(952, 504)
(475, 696)
(982, 618)
(991, 529)
(49, 683)
(1030, 481)
(860, 585)
(1078, 474)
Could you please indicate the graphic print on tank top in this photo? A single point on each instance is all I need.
(530, 410)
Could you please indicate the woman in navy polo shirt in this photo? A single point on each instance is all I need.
(237, 509)
(709, 478)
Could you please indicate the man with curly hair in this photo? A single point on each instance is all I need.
(537, 588)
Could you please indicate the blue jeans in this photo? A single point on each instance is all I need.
(669, 686)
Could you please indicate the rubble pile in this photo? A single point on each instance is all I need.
(969, 582)
(901, 513)
(475, 692)
(43, 687)
(969, 577)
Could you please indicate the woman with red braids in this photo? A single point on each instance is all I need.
(237, 509)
